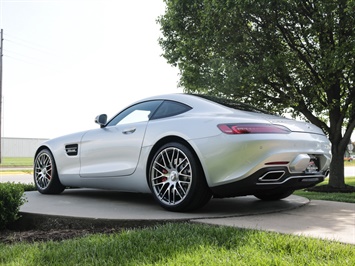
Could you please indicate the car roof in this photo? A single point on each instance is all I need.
(195, 102)
(203, 102)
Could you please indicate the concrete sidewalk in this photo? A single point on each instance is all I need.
(16, 177)
(319, 219)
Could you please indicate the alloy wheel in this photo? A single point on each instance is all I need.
(171, 176)
(43, 170)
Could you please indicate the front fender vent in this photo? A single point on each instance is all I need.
(71, 149)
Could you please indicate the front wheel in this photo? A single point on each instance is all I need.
(272, 196)
(45, 174)
(176, 179)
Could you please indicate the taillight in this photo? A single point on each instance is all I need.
(252, 128)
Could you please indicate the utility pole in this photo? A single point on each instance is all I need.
(1, 52)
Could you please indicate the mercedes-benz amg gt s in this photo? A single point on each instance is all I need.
(186, 149)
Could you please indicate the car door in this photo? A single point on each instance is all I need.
(114, 150)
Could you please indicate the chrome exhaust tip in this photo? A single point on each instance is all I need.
(272, 176)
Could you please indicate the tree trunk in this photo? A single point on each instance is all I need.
(336, 176)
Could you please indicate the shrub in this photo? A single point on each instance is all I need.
(28, 187)
(11, 198)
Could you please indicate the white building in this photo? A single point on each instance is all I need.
(19, 147)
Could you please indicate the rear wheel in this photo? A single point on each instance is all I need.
(45, 174)
(177, 180)
(272, 196)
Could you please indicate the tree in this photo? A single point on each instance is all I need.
(282, 55)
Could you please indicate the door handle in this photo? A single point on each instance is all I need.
(129, 131)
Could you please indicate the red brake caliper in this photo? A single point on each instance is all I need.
(163, 179)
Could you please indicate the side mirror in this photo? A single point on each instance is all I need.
(101, 120)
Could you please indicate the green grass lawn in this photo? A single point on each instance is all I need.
(341, 197)
(352, 163)
(182, 244)
(16, 161)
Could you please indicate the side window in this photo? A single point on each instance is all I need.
(137, 113)
(170, 108)
(135, 116)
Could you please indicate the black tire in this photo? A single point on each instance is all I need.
(45, 174)
(176, 179)
(273, 196)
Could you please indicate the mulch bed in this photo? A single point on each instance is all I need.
(40, 228)
(30, 236)
(330, 189)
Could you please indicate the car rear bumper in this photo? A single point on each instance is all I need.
(231, 159)
(270, 179)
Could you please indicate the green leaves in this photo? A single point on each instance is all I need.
(11, 199)
(284, 52)
(283, 56)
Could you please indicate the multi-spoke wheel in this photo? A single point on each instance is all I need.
(45, 174)
(177, 180)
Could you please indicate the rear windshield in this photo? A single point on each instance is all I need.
(232, 104)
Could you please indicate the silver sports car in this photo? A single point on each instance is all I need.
(185, 149)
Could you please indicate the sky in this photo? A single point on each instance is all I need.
(66, 61)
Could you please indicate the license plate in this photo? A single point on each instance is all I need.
(312, 166)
